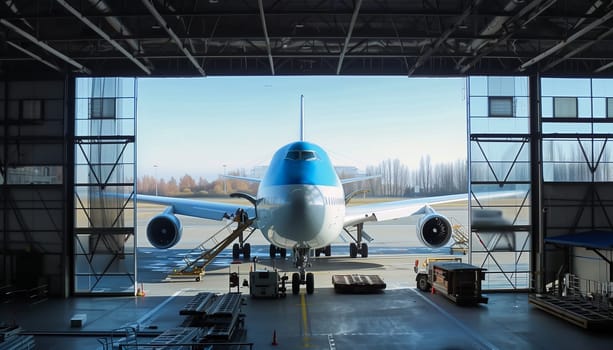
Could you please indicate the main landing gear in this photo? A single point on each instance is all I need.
(238, 249)
(327, 251)
(358, 247)
(241, 247)
(301, 256)
(274, 250)
(354, 250)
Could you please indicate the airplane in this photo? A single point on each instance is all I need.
(301, 205)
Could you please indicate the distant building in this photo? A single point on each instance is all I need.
(259, 171)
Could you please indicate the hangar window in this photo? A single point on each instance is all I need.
(24, 175)
(501, 106)
(609, 107)
(565, 107)
(102, 108)
(32, 109)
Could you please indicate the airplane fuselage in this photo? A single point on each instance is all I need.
(300, 200)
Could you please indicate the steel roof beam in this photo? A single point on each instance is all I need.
(354, 18)
(400, 55)
(578, 50)
(172, 35)
(104, 36)
(398, 13)
(268, 50)
(567, 41)
(514, 21)
(321, 37)
(443, 37)
(34, 56)
(603, 68)
(44, 46)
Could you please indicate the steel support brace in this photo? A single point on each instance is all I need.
(537, 261)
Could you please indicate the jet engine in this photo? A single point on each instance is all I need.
(164, 231)
(434, 230)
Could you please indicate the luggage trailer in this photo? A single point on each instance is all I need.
(460, 282)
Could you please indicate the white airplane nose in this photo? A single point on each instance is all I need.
(303, 214)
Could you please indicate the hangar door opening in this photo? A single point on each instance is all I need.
(104, 239)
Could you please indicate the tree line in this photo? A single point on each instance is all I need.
(394, 180)
(188, 186)
(398, 180)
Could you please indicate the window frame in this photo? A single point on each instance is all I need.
(565, 98)
(509, 99)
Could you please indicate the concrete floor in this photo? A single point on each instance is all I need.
(401, 317)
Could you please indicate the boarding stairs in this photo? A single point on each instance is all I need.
(460, 238)
(194, 254)
(199, 257)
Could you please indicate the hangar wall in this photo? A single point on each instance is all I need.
(547, 142)
(34, 178)
(577, 165)
(63, 145)
(500, 179)
(105, 172)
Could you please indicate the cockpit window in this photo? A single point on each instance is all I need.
(293, 155)
(308, 155)
(301, 155)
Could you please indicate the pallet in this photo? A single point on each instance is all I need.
(10, 339)
(218, 316)
(579, 313)
(198, 304)
(358, 284)
(175, 338)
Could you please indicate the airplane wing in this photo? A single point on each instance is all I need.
(358, 179)
(197, 208)
(244, 178)
(343, 181)
(395, 209)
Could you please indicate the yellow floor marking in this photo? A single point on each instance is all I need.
(305, 321)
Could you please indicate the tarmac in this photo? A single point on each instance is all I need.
(400, 317)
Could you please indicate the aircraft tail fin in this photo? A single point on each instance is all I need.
(301, 117)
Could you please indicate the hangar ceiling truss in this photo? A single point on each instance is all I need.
(274, 37)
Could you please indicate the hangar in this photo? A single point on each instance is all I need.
(67, 106)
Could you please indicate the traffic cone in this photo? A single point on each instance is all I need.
(274, 337)
(141, 291)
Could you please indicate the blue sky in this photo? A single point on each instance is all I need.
(197, 125)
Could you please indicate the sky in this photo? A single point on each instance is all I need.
(196, 126)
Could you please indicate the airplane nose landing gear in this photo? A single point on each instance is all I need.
(301, 259)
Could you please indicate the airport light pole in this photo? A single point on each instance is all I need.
(155, 169)
(224, 179)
